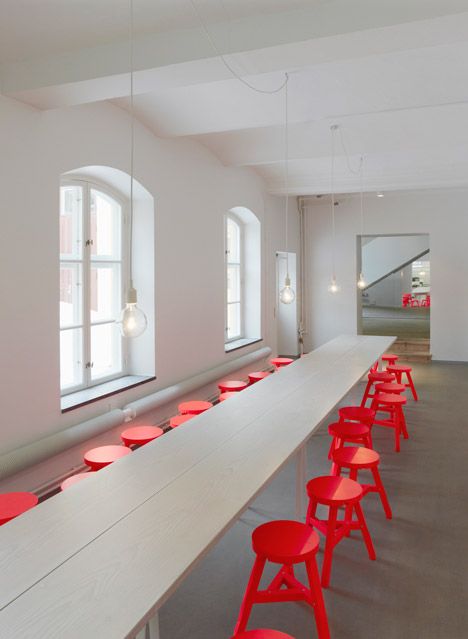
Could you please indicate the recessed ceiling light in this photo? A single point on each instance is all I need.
(380, 194)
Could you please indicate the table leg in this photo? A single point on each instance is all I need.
(141, 634)
(300, 482)
(153, 627)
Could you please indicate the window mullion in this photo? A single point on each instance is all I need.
(86, 287)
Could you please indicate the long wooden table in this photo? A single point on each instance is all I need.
(101, 558)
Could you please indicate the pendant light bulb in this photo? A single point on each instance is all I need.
(133, 321)
(287, 294)
(333, 286)
(361, 283)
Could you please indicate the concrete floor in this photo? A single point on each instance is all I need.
(417, 588)
(405, 323)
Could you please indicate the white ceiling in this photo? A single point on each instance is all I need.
(393, 74)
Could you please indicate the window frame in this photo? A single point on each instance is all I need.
(240, 225)
(86, 261)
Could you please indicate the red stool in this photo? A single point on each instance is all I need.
(348, 432)
(356, 458)
(262, 634)
(278, 362)
(286, 543)
(390, 387)
(75, 479)
(232, 386)
(97, 458)
(227, 395)
(375, 378)
(389, 358)
(336, 492)
(177, 420)
(194, 407)
(140, 435)
(256, 377)
(359, 414)
(14, 504)
(393, 404)
(399, 371)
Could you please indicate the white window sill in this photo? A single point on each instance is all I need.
(89, 395)
(240, 343)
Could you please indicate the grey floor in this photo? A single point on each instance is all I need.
(417, 588)
(402, 322)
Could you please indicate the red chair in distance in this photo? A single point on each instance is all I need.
(287, 543)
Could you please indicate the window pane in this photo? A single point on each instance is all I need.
(71, 349)
(233, 283)
(232, 241)
(105, 222)
(70, 294)
(106, 350)
(233, 321)
(71, 203)
(105, 292)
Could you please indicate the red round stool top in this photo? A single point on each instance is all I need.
(356, 457)
(357, 414)
(381, 376)
(226, 395)
(332, 491)
(281, 361)
(232, 386)
(285, 541)
(194, 407)
(140, 435)
(257, 376)
(177, 420)
(399, 369)
(390, 398)
(14, 504)
(75, 479)
(262, 633)
(97, 458)
(388, 357)
(348, 429)
(391, 387)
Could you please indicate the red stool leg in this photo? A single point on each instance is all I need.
(411, 385)
(320, 613)
(365, 531)
(402, 420)
(329, 546)
(332, 447)
(382, 493)
(249, 596)
(365, 397)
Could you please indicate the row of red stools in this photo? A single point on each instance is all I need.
(14, 504)
(289, 543)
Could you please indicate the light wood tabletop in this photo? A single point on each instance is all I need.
(102, 557)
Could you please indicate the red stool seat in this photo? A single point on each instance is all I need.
(355, 458)
(336, 492)
(232, 386)
(360, 414)
(262, 634)
(278, 362)
(391, 387)
(75, 479)
(399, 371)
(257, 376)
(393, 404)
(348, 432)
(226, 395)
(97, 458)
(375, 377)
(140, 435)
(14, 504)
(194, 407)
(286, 543)
(390, 358)
(177, 420)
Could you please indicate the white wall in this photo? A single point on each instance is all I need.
(191, 189)
(443, 214)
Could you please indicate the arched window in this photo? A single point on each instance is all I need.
(242, 278)
(92, 273)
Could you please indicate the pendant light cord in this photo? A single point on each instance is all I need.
(286, 167)
(225, 61)
(332, 191)
(361, 171)
(132, 148)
